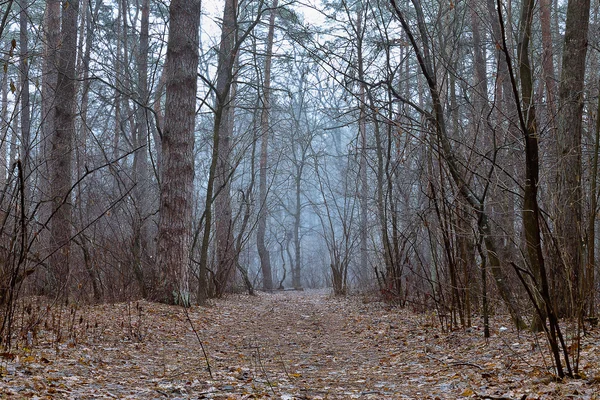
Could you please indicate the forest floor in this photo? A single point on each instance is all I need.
(287, 345)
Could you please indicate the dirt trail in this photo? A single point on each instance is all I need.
(288, 345)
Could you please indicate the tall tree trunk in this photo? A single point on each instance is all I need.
(263, 252)
(4, 137)
(177, 172)
(481, 113)
(391, 280)
(362, 129)
(82, 139)
(531, 212)
(61, 149)
(25, 151)
(225, 249)
(118, 67)
(141, 234)
(590, 279)
(569, 191)
(49, 81)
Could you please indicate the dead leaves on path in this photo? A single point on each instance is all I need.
(292, 345)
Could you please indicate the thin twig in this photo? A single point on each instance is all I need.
(187, 316)
(467, 364)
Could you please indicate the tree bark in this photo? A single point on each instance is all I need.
(177, 172)
(569, 190)
(61, 149)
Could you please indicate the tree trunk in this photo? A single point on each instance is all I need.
(590, 279)
(392, 280)
(296, 280)
(61, 150)
(548, 63)
(25, 111)
(83, 192)
(219, 167)
(49, 79)
(225, 249)
(531, 210)
(177, 172)
(362, 132)
(263, 252)
(4, 137)
(569, 191)
(141, 178)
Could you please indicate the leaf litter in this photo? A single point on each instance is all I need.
(285, 345)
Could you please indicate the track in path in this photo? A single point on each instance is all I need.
(284, 345)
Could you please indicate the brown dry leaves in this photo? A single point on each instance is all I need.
(290, 345)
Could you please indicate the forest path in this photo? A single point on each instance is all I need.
(283, 345)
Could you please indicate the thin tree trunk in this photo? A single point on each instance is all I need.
(362, 132)
(49, 81)
(391, 280)
(141, 234)
(296, 279)
(82, 149)
(25, 111)
(548, 63)
(590, 293)
(220, 170)
(4, 137)
(225, 249)
(263, 252)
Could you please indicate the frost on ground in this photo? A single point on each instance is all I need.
(288, 345)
